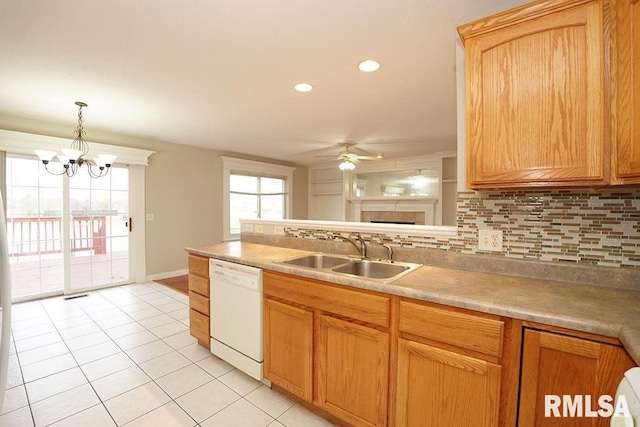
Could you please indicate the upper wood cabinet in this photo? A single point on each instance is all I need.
(535, 96)
(626, 90)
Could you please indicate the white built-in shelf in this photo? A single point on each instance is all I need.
(327, 181)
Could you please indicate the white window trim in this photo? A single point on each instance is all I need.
(234, 165)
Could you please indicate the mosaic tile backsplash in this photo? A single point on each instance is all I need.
(590, 227)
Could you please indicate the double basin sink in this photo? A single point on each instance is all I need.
(364, 268)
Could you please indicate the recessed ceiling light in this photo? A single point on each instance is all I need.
(369, 65)
(303, 87)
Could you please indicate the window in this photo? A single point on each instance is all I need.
(255, 197)
(254, 190)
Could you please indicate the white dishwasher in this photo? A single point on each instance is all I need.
(236, 315)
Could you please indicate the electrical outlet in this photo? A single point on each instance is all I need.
(258, 228)
(248, 228)
(278, 229)
(490, 240)
(150, 217)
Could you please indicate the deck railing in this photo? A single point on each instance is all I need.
(43, 235)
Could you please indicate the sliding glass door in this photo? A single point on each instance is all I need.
(99, 229)
(34, 228)
(88, 249)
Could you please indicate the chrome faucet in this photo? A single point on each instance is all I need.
(361, 247)
(390, 249)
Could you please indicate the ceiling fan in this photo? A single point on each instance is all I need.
(348, 158)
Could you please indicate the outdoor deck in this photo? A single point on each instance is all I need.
(29, 276)
(35, 254)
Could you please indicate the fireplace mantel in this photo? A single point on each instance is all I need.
(423, 205)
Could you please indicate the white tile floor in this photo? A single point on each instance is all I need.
(124, 356)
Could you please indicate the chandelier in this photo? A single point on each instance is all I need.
(73, 158)
(420, 180)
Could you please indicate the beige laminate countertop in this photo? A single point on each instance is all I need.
(600, 310)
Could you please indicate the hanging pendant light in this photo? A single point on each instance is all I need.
(73, 158)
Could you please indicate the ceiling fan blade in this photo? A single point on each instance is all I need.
(369, 157)
(331, 157)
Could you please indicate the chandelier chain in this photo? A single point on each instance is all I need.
(79, 143)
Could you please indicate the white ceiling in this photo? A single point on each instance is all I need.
(220, 73)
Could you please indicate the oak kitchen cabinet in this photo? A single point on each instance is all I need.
(352, 371)
(558, 364)
(535, 96)
(288, 344)
(367, 358)
(373, 359)
(329, 346)
(552, 95)
(450, 368)
(199, 299)
(626, 90)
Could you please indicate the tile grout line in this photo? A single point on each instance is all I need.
(63, 340)
(111, 301)
(133, 361)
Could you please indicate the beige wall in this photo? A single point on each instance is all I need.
(183, 191)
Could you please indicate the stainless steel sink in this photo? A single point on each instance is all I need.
(318, 261)
(368, 269)
(373, 269)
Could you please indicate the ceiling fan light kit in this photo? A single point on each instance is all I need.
(347, 165)
(348, 159)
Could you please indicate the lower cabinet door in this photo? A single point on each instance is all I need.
(352, 371)
(288, 347)
(440, 388)
(199, 327)
(564, 377)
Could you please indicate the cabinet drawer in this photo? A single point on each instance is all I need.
(354, 304)
(451, 327)
(199, 285)
(199, 265)
(199, 303)
(199, 326)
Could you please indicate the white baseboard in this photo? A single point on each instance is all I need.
(167, 274)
